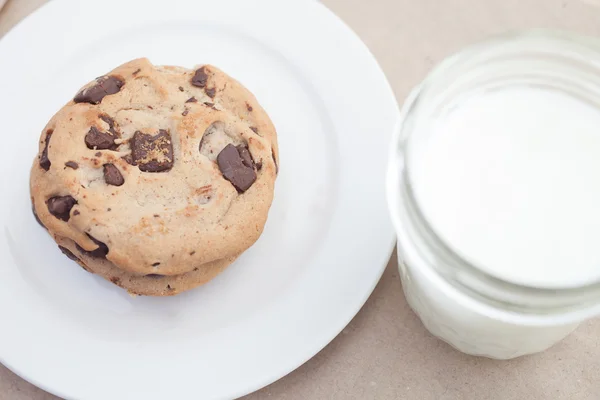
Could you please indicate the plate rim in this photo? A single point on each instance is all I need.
(351, 35)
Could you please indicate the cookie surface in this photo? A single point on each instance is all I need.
(159, 171)
(146, 285)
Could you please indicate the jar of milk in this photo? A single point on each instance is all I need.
(494, 189)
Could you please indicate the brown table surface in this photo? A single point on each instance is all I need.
(385, 353)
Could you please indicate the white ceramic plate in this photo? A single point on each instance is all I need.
(325, 245)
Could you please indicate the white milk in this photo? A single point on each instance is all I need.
(510, 180)
(498, 150)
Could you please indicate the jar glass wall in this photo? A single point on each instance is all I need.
(475, 311)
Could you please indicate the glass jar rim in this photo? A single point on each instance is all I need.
(456, 270)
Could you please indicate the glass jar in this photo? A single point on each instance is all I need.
(465, 306)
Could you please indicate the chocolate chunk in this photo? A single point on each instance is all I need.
(68, 253)
(100, 252)
(210, 105)
(275, 161)
(76, 213)
(129, 159)
(104, 86)
(211, 92)
(111, 124)
(235, 169)
(98, 154)
(72, 164)
(152, 153)
(95, 139)
(259, 165)
(254, 129)
(181, 88)
(245, 156)
(192, 100)
(112, 175)
(44, 160)
(137, 71)
(200, 78)
(249, 107)
(60, 206)
(185, 112)
(156, 264)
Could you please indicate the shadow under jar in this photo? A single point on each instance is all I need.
(494, 190)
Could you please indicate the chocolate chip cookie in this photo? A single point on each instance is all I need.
(156, 177)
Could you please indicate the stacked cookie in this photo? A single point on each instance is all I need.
(156, 178)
